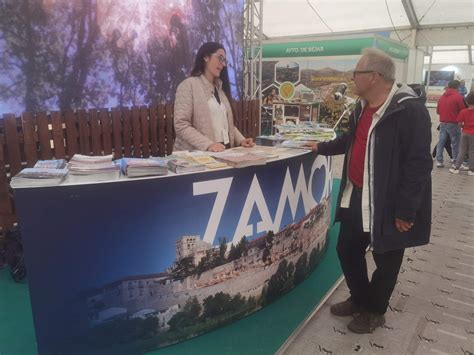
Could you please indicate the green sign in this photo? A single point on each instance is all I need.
(395, 50)
(351, 46)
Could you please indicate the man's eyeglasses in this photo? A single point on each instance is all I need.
(221, 58)
(364, 72)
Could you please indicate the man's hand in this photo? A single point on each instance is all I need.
(312, 145)
(402, 226)
(216, 147)
(247, 142)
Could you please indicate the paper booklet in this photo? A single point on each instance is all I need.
(184, 164)
(136, 167)
(51, 164)
(239, 159)
(31, 177)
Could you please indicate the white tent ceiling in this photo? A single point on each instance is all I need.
(323, 17)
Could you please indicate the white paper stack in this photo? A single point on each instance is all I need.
(31, 177)
(84, 168)
(136, 167)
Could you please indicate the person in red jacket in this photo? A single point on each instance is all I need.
(466, 121)
(449, 106)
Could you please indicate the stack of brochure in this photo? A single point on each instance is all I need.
(207, 160)
(182, 163)
(239, 159)
(297, 136)
(51, 164)
(136, 167)
(31, 177)
(85, 168)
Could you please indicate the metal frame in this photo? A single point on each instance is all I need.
(253, 38)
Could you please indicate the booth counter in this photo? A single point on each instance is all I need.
(135, 264)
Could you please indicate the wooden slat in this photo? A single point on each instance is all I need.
(58, 135)
(256, 118)
(251, 119)
(71, 133)
(245, 116)
(6, 207)
(106, 125)
(238, 115)
(29, 138)
(84, 137)
(161, 130)
(95, 132)
(137, 149)
(43, 136)
(12, 143)
(169, 127)
(145, 131)
(127, 132)
(154, 130)
(117, 132)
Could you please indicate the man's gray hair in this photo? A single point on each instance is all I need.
(380, 62)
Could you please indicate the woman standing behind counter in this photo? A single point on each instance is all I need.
(203, 116)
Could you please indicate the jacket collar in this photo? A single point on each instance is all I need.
(208, 87)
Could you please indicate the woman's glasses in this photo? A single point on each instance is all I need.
(221, 58)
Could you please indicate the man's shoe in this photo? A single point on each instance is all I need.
(464, 167)
(454, 171)
(366, 323)
(345, 309)
(439, 164)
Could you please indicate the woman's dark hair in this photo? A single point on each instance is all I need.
(199, 64)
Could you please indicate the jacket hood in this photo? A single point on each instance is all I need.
(410, 91)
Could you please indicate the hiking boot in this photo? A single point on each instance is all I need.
(345, 309)
(454, 171)
(366, 323)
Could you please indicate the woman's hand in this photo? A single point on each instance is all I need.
(216, 147)
(247, 142)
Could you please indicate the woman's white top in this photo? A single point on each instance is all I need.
(219, 120)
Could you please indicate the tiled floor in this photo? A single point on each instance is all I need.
(432, 307)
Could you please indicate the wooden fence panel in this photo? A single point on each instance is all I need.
(43, 136)
(13, 144)
(117, 132)
(7, 217)
(145, 135)
(95, 132)
(58, 135)
(169, 129)
(106, 124)
(161, 130)
(71, 133)
(30, 139)
(154, 131)
(127, 132)
(256, 117)
(84, 136)
(137, 151)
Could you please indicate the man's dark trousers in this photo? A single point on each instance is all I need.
(372, 296)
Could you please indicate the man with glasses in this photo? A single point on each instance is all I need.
(385, 196)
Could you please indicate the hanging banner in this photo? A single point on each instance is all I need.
(351, 46)
(136, 264)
